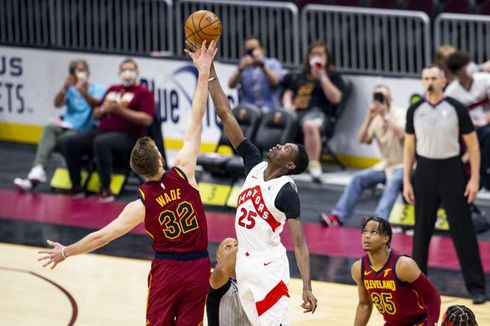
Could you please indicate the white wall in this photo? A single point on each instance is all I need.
(29, 79)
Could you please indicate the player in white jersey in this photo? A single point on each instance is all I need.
(268, 199)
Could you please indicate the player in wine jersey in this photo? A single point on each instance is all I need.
(268, 199)
(171, 208)
(392, 282)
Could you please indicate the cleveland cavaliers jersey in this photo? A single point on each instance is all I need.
(258, 223)
(174, 214)
(395, 300)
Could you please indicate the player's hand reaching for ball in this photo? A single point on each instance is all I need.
(309, 301)
(53, 256)
(204, 56)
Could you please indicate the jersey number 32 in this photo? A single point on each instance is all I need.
(180, 221)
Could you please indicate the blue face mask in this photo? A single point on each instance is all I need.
(128, 77)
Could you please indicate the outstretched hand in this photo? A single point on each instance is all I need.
(53, 256)
(309, 302)
(202, 57)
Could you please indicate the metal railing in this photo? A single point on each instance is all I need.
(466, 32)
(370, 41)
(362, 40)
(26, 22)
(129, 26)
(276, 23)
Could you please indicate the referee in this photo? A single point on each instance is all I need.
(433, 130)
(223, 305)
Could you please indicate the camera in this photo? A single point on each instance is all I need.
(380, 97)
(250, 52)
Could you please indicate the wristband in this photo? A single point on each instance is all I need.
(63, 252)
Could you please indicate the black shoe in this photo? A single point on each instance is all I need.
(479, 298)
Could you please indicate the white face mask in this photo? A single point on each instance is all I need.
(128, 77)
(82, 76)
(317, 61)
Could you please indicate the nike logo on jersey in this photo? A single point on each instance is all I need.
(254, 177)
(265, 264)
(366, 273)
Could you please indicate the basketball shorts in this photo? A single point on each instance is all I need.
(177, 292)
(263, 287)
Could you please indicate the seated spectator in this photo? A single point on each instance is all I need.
(125, 112)
(79, 95)
(223, 305)
(473, 90)
(385, 124)
(313, 94)
(257, 77)
(459, 315)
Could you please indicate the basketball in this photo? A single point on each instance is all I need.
(202, 25)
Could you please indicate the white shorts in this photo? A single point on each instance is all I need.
(263, 281)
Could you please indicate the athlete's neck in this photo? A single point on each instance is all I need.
(272, 172)
(378, 258)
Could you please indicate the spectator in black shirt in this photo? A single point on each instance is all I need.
(313, 94)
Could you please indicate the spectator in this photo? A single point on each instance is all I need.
(473, 90)
(442, 53)
(433, 130)
(125, 112)
(257, 77)
(313, 94)
(459, 315)
(223, 303)
(80, 96)
(385, 124)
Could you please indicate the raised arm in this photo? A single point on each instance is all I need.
(187, 156)
(364, 306)
(223, 109)
(132, 215)
(303, 260)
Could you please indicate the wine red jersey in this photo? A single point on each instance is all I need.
(174, 214)
(395, 300)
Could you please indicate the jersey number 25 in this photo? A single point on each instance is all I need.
(247, 218)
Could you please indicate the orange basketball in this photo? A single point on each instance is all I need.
(202, 25)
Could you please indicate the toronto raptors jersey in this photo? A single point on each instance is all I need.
(258, 223)
(174, 214)
(395, 300)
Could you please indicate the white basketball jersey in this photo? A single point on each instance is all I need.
(258, 223)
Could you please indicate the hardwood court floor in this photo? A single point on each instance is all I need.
(112, 291)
